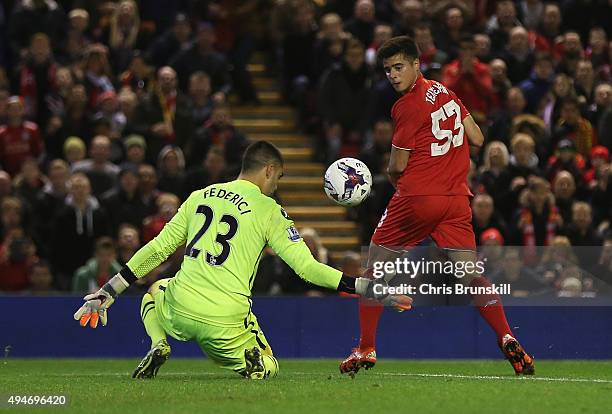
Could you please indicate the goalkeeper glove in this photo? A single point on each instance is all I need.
(96, 304)
(377, 289)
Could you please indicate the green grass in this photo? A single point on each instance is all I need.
(314, 386)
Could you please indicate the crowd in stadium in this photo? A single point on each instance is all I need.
(112, 112)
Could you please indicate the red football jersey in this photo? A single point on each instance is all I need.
(428, 122)
(17, 144)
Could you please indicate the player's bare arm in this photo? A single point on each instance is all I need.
(398, 161)
(475, 137)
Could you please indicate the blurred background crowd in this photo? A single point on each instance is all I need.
(112, 112)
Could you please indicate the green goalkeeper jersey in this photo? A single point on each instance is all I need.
(225, 228)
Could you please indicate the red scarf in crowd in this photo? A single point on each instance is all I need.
(28, 88)
(529, 237)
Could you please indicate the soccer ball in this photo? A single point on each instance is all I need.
(348, 182)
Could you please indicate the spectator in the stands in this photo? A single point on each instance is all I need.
(75, 121)
(50, 200)
(40, 278)
(430, 54)
(494, 176)
(171, 167)
(567, 159)
(167, 206)
(449, 37)
(164, 117)
(29, 17)
(29, 182)
(36, 78)
(75, 228)
(201, 55)
(343, 99)
(139, 77)
(124, 34)
(547, 39)
(580, 229)
(174, 39)
(123, 203)
(382, 33)
(128, 242)
(502, 119)
(77, 35)
(539, 82)
(518, 55)
(74, 150)
(484, 215)
(362, 24)
(377, 146)
(13, 150)
(561, 89)
(56, 102)
(500, 83)
(470, 79)
(537, 221)
(148, 187)
(98, 269)
(411, 13)
(135, 150)
(483, 51)
(101, 172)
(328, 46)
(219, 131)
(585, 81)
(299, 68)
(574, 126)
(200, 92)
(600, 157)
(573, 52)
(597, 51)
(564, 189)
(97, 73)
(17, 254)
(211, 170)
(500, 24)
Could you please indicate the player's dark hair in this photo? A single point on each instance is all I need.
(402, 45)
(258, 155)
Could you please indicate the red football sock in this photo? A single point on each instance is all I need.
(491, 309)
(369, 314)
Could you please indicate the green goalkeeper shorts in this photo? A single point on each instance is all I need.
(224, 345)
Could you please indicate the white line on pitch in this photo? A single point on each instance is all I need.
(388, 374)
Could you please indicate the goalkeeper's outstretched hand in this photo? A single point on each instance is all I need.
(95, 308)
(378, 289)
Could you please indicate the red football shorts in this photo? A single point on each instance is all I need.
(409, 220)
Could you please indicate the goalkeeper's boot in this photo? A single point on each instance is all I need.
(359, 358)
(521, 361)
(154, 359)
(255, 368)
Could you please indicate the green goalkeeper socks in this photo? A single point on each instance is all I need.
(149, 319)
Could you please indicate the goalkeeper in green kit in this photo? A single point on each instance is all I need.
(225, 228)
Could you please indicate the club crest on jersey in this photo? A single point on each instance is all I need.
(294, 236)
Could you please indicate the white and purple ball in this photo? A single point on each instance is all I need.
(348, 182)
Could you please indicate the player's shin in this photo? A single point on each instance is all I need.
(149, 319)
(491, 308)
(369, 315)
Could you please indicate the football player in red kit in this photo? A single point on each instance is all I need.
(428, 166)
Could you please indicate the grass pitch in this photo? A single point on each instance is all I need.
(313, 386)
